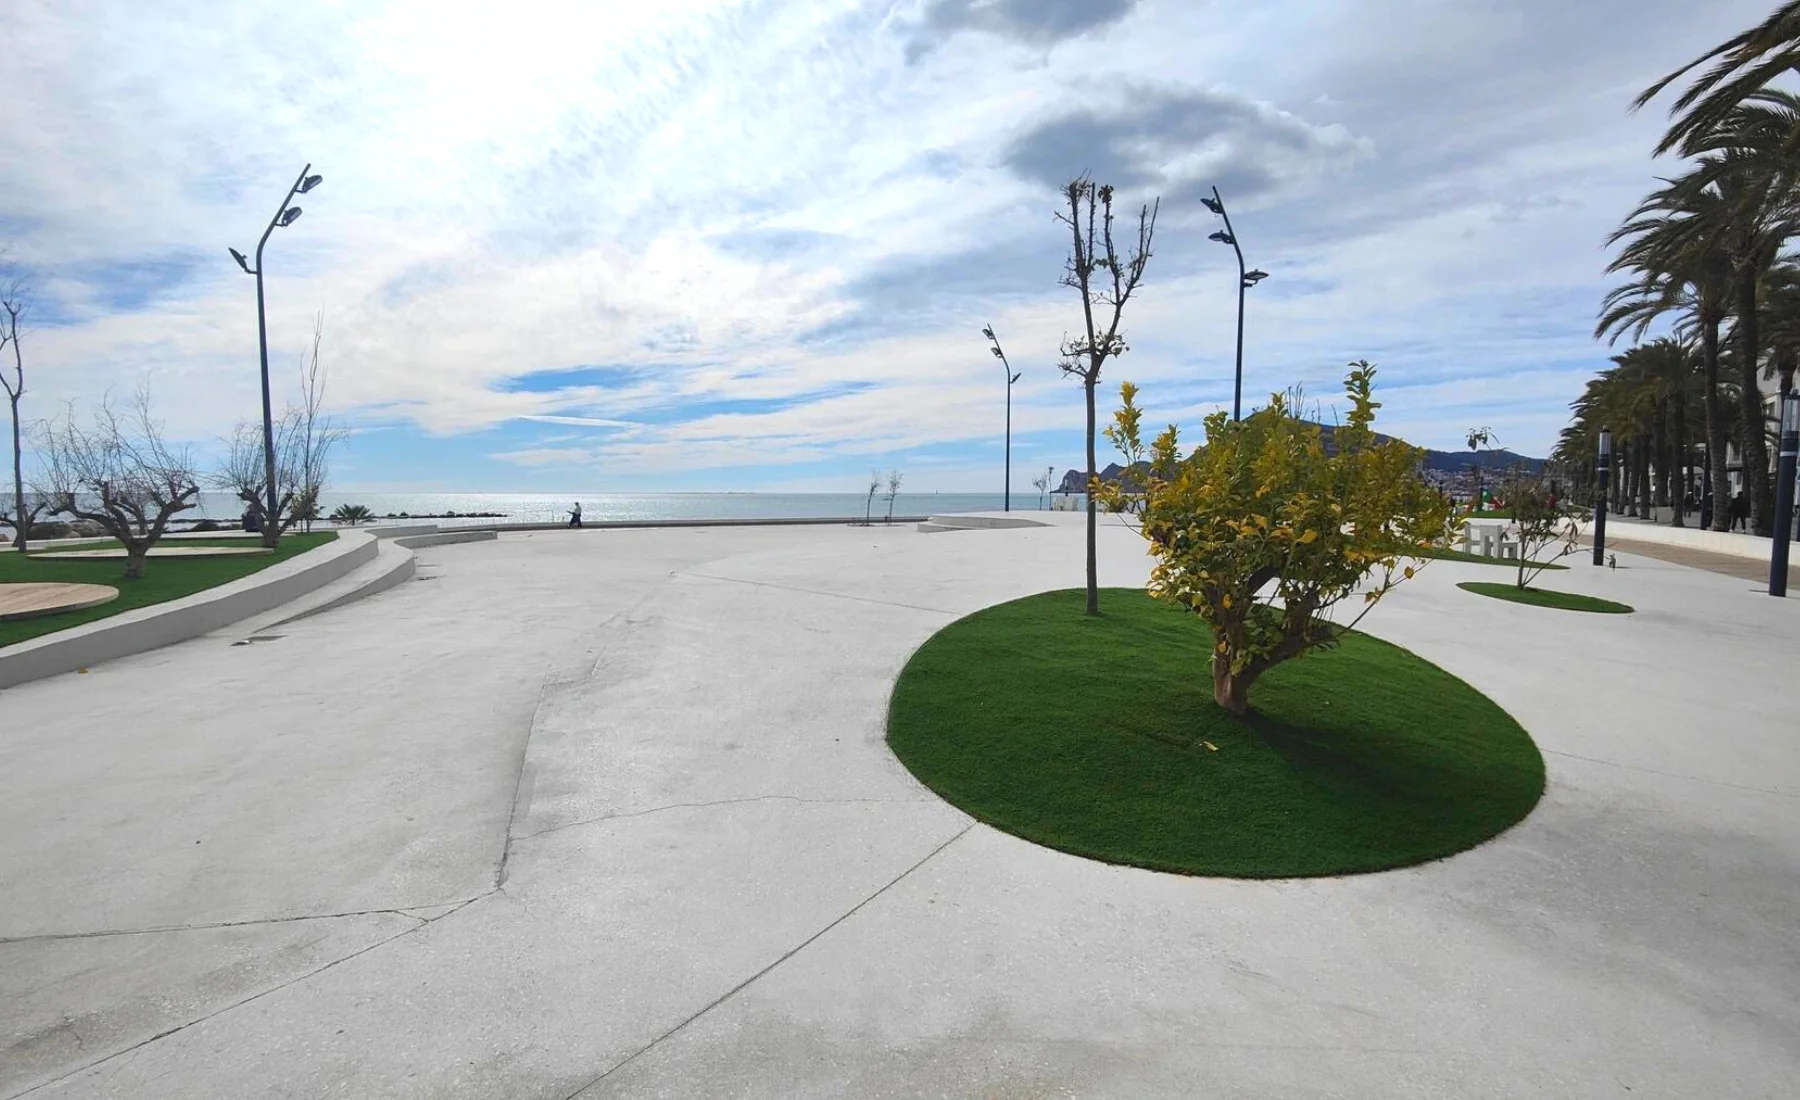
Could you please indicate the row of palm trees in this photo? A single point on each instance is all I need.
(1706, 253)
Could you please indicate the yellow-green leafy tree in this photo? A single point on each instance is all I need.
(1265, 527)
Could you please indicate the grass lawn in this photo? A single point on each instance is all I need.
(1544, 597)
(1446, 554)
(163, 579)
(1100, 737)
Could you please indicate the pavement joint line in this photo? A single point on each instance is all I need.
(828, 595)
(134, 1049)
(621, 816)
(1670, 775)
(795, 950)
(402, 911)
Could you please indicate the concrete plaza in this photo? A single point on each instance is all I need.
(610, 814)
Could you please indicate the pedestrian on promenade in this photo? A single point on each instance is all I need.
(1740, 511)
(575, 515)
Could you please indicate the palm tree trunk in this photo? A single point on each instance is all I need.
(1715, 426)
(1643, 483)
(1757, 482)
(1684, 463)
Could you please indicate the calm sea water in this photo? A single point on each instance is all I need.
(598, 507)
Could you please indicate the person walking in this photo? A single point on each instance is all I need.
(1740, 511)
(575, 515)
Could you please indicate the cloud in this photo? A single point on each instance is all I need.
(1035, 22)
(1179, 142)
(762, 235)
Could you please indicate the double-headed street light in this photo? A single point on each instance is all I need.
(988, 331)
(1246, 280)
(284, 215)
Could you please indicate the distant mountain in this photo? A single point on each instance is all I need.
(1444, 462)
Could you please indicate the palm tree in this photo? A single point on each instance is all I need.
(1744, 65)
(1681, 268)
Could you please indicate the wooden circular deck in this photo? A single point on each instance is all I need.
(34, 598)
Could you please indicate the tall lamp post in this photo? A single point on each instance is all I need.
(1784, 494)
(284, 215)
(988, 332)
(1602, 468)
(1246, 280)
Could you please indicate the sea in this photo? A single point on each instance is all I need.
(480, 508)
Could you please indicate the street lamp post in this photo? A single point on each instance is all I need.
(1602, 468)
(284, 215)
(1011, 377)
(1784, 494)
(1246, 280)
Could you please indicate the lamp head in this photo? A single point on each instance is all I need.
(1252, 277)
(289, 216)
(309, 183)
(1215, 206)
(1790, 414)
(1222, 237)
(998, 354)
(1015, 378)
(987, 331)
(239, 257)
(1605, 443)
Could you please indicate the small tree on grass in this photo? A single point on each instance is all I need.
(869, 505)
(1042, 484)
(20, 510)
(1479, 439)
(121, 475)
(1548, 530)
(1106, 280)
(1266, 500)
(352, 514)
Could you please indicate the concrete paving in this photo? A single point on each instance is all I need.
(610, 814)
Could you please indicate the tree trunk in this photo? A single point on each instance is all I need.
(1231, 692)
(1757, 482)
(1683, 464)
(1093, 560)
(1715, 426)
(21, 521)
(1643, 482)
(134, 561)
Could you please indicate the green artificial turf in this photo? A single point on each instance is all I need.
(1446, 554)
(163, 579)
(1544, 597)
(1099, 736)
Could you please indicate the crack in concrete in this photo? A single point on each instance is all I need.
(795, 950)
(1670, 775)
(201, 926)
(551, 684)
(619, 816)
(828, 595)
(131, 1052)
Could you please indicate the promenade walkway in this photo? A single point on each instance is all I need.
(610, 814)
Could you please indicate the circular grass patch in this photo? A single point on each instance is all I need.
(1100, 737)
(1544, 597)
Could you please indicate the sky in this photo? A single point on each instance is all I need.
(692, 245)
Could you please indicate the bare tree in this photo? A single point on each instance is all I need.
(1093, 253)
(304, 438)
(1042, 484)
(120, 474)
(20, 511)
(893, 487)
(869, 505)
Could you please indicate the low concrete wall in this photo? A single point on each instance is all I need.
(403, 530)
(189, 617)
(1716, 542)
